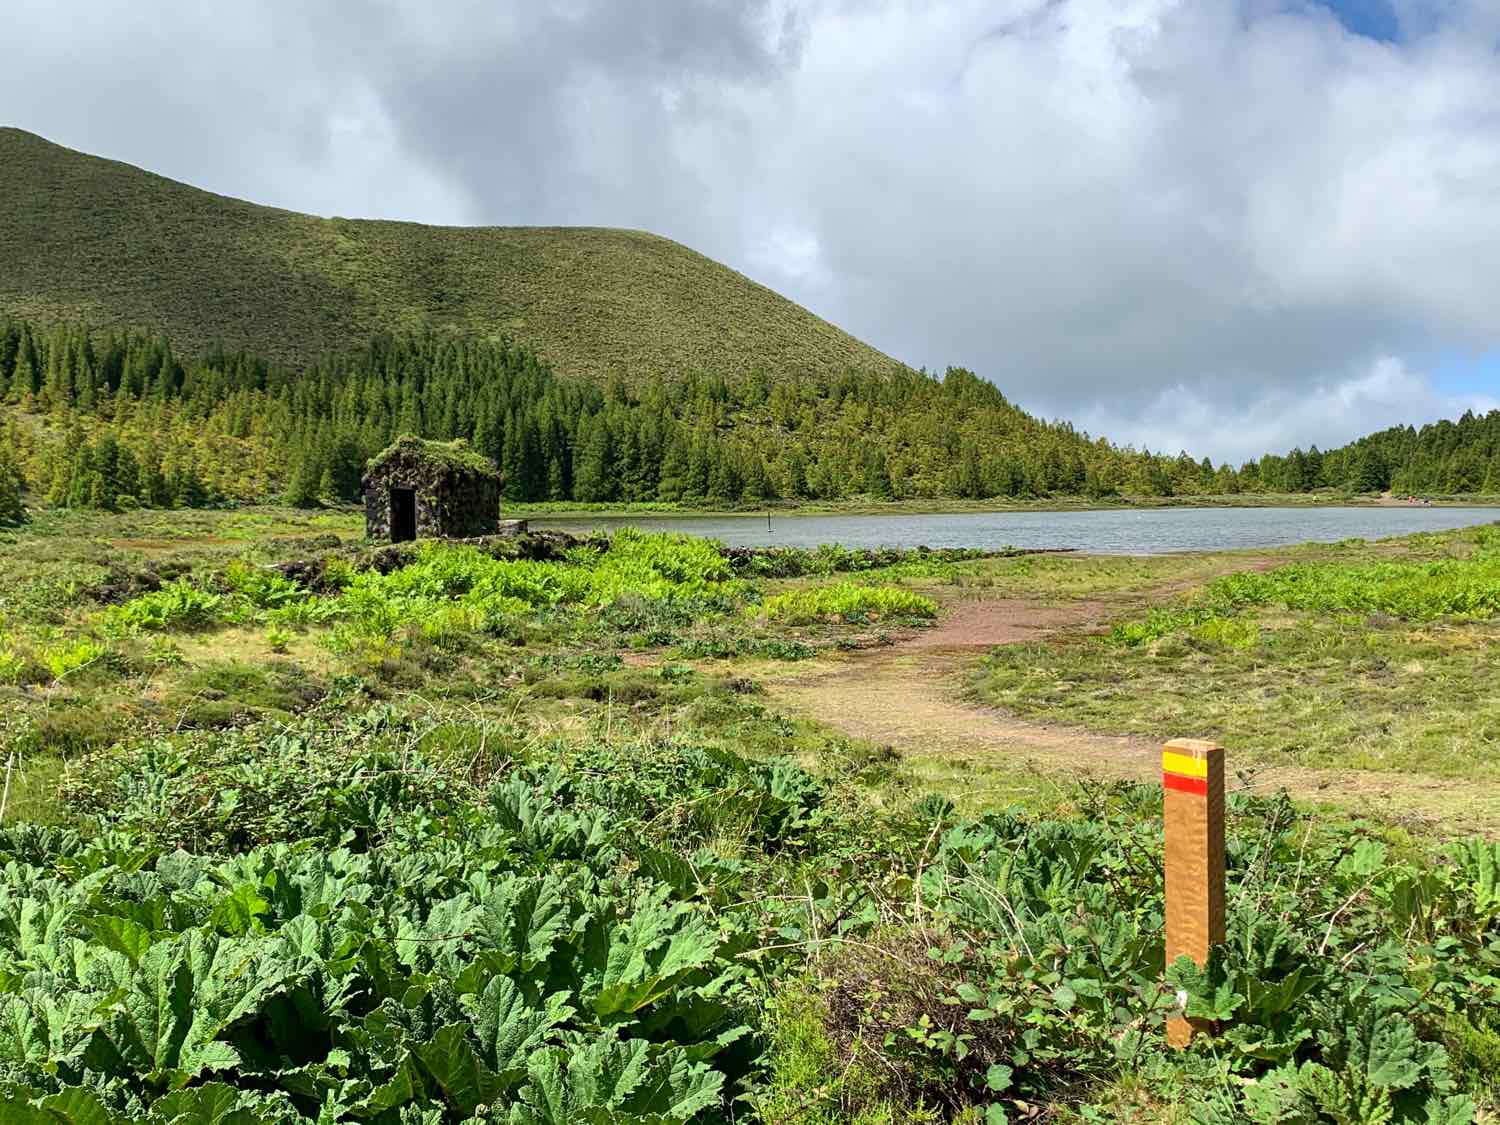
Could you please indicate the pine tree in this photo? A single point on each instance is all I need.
(12, 510)
(593, 467)
(756, 485)
(343, 470)
(154, 492)
(304, 482)
(724, 481)
(791, 473)
(1491, 484)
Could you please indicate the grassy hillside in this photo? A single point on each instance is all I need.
(93, 240)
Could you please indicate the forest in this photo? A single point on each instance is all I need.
(121, 420)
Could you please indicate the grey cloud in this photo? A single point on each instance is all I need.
(1105, 205)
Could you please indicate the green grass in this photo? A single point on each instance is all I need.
(1373, 656)
(822, 930)
(99, 242)
(1298, 690)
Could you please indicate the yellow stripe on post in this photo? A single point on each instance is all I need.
(1188, 765)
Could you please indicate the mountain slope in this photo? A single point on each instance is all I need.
(93, 240)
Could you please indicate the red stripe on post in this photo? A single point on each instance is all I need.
(1198, 785)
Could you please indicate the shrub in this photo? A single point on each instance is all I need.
(70, 656)
(847, 601)
(177, 605)
(262, 587)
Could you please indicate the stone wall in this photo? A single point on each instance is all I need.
(448, 507)
(460, 508)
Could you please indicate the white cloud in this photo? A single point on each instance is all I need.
(1103, 205)
(1386, 393)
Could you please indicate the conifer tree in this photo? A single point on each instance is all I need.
(12, 510)
(756, 484)
(594, 468)
(304, 482)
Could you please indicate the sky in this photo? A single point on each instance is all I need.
(1225, 226)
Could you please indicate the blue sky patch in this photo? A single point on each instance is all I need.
(1374, 19)
(1468, 373)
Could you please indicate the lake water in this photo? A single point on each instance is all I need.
(1113, 531)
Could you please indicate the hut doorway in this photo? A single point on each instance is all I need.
(403, 514)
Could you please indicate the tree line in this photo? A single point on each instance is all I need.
(117, 420)
(1444, 458)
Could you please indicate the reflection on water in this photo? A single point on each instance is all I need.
(1115, 531)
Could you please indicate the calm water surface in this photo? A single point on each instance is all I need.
(1115, 531)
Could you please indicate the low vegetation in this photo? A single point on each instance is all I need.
(303, 831)
(1360, 659)
(847, 601)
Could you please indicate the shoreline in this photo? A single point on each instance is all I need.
(548, 510)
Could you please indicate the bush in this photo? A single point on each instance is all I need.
(70, 656)
(177, 605)
(1414, 591)
(846, 601)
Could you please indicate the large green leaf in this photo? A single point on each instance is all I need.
(38, 1029)
(76, 1106)
(212, 1104)
(123, 935)
(149, 1024)
(240, 911)
(1394, 1059)
(510, 1030)
(646, 958)
(522, 920)
(606, 1080)
(458, 1071)
(167, 1017)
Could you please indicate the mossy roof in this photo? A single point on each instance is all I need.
(457, 457)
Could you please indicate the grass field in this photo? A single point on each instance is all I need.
(1371, 657)
(206, 269)
(306, 831)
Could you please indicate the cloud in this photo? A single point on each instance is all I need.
(1185, 223)
(1326, 414)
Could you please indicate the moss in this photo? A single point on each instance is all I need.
(225, 693)
(75, 727)
(442, 457)
(1475, 1050)
(811, 1082)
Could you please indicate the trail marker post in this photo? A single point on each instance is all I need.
(1192, 776)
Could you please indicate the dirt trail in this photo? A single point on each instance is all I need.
(910, 696)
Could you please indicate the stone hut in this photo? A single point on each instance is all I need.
(420, 489)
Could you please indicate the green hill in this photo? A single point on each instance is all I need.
(89, 240)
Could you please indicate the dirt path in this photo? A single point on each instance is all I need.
(910, 696)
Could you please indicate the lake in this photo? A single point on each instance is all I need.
(1143, 531)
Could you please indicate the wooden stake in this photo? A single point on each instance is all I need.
(1193, 822)
(10, 766)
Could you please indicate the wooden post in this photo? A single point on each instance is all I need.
(1193, 822)
(10, 766)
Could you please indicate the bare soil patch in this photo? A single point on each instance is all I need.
(909, 696)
